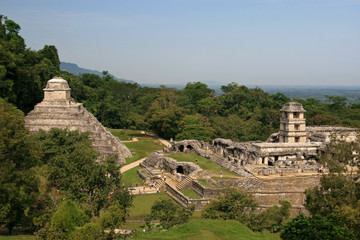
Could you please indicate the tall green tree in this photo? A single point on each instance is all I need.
(235, 204)
(192, 94)
(339, 191)
(196, 127)
(23, 72)
(316, 228)
(73, 170)
(19, 154)
(169, 213)
(64, 221)
(164, 115)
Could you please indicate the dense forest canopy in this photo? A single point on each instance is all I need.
(23, 72)
(195, 112)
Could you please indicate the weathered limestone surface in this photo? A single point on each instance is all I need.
(157, 160)
(188, 146)
(59, 110)
(324, 133)
(292, 123)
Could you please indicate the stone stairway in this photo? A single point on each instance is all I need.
(228, 165)
(159, 183)
(184, 184)
(155, 172)
(251, 183)
(59, 110)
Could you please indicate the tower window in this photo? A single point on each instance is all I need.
(296, 115)
(297, 139)
(297, 127)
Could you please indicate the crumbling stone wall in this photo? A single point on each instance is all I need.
(157, 160)
(206, 192)
(324, 133)
(184, 200)
(190, 146)
(269, 192)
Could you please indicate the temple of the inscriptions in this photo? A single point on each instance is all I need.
(59, 110)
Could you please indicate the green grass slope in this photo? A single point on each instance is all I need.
(204, 163)
(143, 203)
(17, 237)
(143, 148)
(210, 230)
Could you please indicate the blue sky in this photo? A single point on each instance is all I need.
(251, 42)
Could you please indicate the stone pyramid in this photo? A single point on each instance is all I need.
(59, 110)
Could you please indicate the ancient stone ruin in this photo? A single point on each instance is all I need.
(292, 152)
(59, 110)
(157, 160)
(294, 149)
(292, 123)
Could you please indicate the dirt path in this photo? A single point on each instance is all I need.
(136, 163)
(165, 142)
(134, 139)
(131, 165)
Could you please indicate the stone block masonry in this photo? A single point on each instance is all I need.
(59, 110)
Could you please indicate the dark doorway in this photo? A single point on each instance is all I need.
(180, 169)
(271, 162)
(181, 148)
(189, 147)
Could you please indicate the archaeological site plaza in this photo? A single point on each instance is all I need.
(279, 169)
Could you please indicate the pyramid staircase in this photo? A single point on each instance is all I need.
(159, 183)
(185, 183)
(59, 110)
(252, 183)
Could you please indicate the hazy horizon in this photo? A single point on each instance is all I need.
(251, 42)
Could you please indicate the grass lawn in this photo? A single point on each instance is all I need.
(204, 163)
(139, 226)
(206, 184)
(17, 237)
(216, 178)
(143, 148)
(209, 229)
(130, 178)
(190, 194)
(196, 215)
(142, 204)
(124, 135)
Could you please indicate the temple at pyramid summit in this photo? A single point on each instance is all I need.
(59, 110)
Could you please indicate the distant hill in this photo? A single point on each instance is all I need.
(76, 70)
(352, 93)
(302, 92)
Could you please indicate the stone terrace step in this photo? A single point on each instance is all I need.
(184, 184)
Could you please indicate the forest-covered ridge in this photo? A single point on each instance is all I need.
(195, 112)
(352, 93)
(76, 70)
